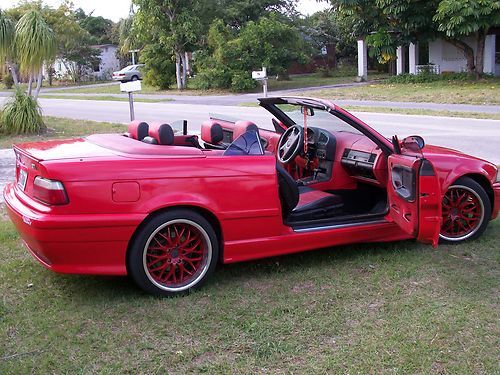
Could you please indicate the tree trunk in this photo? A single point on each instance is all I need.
(467, 50)
(13, 72)
(184, 70)
(481, 40)
(38, 84)
(30, 84)
(178, 71)
(187, 65)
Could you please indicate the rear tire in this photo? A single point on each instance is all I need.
(173, 253)
(466, 211)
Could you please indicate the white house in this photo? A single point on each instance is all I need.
(104, 70)
(443, 56)
(109, 62)
(451, 59)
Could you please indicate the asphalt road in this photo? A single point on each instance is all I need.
(480, 138)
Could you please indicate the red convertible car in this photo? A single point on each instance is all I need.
(165, 207)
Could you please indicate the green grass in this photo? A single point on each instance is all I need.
(408, 111)
(104, 97)
(424, 112)
(401, 308)
(63, 128)
(486, 91)
(296, 81)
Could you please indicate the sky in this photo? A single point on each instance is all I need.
(116, 9)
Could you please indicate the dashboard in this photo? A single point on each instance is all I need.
(344, 158)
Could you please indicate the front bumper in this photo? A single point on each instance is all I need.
(82, 244)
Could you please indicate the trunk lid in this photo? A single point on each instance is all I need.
(61, 149)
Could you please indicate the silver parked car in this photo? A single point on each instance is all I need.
(129, 73)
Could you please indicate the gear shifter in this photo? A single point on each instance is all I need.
(318, 170)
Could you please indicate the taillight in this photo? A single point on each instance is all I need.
(49, 191)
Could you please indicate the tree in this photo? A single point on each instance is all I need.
(460, 18)
(7, 33)
(34, 43)
(175, 24)
(232, 54)
(99, 28)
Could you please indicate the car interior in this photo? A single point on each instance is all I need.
(326, 176)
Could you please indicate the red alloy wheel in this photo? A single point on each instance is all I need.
(177, 255)
(463, 213)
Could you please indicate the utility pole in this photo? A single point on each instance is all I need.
(133, 52)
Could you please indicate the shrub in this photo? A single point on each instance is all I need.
(242, 81)
(428, 76)
(159, 69)
(324, 71)
(213, 77)
(21, 115)
(8, 81)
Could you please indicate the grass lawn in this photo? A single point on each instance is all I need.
(104, 97)
(486, 91)
(63, 128)
(296, 81)
(400, 308)
(408, 111)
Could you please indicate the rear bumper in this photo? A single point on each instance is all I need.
(81, 244)
(496, 203)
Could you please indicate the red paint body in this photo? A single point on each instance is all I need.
(114, 183)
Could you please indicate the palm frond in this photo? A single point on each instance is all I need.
(34, 41)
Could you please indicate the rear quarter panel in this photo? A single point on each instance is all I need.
(240, 191)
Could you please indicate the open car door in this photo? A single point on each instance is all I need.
(415, 197)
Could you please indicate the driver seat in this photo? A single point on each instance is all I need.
(305, 203)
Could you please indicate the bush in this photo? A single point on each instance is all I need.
(428, 76)
(22, 115)
(159, 70)
(242, 81)
(324, 71)
(8, 81)
(213, 77)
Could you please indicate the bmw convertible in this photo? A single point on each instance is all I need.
(165, 207)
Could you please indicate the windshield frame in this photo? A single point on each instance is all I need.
(270, 105)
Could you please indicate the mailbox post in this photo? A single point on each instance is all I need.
(130, 88)
(261, 76)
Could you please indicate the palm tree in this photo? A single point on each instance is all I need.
(7, 32)
(34, 43)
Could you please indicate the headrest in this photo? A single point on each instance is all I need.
(138, 130)
(163, 133)
(211, 132)
(241, 127)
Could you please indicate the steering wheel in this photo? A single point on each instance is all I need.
(290, 144)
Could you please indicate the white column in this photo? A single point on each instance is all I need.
(362, 60)
(413, 58)
(400, 62)
(489, 54)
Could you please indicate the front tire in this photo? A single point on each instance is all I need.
(173, 253)
(466, 211)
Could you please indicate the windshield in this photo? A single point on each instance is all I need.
(318, 118)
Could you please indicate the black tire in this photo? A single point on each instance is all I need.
(470, 205)
(134, 78)
(153, 255)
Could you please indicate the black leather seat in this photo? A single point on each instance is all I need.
(305, 203)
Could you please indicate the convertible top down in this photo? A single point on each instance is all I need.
(165, 206)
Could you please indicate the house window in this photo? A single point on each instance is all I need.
(96, 67)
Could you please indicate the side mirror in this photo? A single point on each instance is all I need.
(414, 143)
(307, 111)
